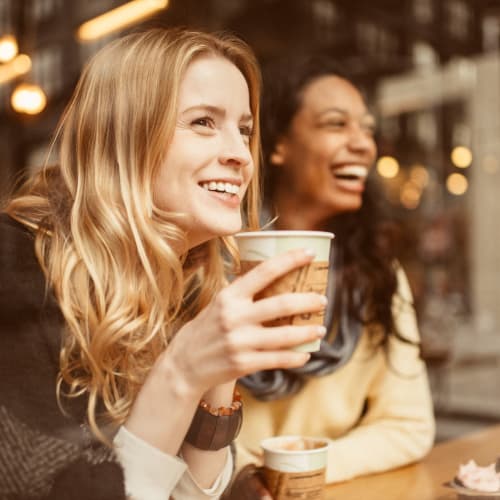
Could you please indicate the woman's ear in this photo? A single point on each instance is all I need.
(278, 155)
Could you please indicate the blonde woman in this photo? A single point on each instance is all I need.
(120, 341)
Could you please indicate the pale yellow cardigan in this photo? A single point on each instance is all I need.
(397, 427)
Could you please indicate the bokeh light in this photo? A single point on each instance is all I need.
(419, 175)
(29, 99)
(461, 157)
(457, 184)
(8, 48)
(387, 166)
(410, 195)
(15, 68)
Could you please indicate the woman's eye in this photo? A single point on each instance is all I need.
(370, 128)
(205, 121)
(335, 123)
(246, 131)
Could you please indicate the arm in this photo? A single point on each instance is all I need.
(217, 397)
(152, 474)
(37, 464)
(398, 426)
(44, 453)
(207, 355)
(136, 444)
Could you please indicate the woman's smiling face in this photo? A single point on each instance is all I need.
(208, 165)
(328, 149)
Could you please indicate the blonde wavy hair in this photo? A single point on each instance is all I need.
(106, 249)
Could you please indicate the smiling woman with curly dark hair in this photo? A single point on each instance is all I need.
(366, 389)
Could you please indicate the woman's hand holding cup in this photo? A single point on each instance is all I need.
(228, 338)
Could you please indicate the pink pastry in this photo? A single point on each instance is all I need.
(479, 478)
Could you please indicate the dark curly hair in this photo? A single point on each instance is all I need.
(363, 265)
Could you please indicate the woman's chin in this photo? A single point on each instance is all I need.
(221, 229)
(344, 204)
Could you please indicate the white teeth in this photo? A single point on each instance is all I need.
(352, 170)
(223, 187)
(231, 188)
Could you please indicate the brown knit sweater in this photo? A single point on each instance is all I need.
(44, 454)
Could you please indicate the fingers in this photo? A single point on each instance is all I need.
(269, 270)
(265, 494)
(249, 485)
(270, 360)
(256, 484)
(249, 350)
(281, 337)
(286, 304)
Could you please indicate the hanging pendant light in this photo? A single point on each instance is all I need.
(8, 48)
(28, 98)
(119, 18)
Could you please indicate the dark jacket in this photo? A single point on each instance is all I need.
(44, 454)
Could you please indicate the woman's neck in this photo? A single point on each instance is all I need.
(297, 216)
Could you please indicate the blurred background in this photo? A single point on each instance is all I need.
(432, 71)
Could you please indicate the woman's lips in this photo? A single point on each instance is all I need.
(229, 200)
(351, 171)
(351, 186)
(350, 177)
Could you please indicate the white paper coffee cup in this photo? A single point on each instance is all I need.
(295, 466)
(257, 246)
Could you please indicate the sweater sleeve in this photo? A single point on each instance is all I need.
(398, 425)
(151, 474)
(37, 465)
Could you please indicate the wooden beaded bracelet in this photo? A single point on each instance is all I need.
(215, 428)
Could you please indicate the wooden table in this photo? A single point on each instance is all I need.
(424, 480)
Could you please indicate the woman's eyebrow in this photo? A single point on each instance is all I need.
(369, 116)
(247, 118)
(215, 110)
(209, 108)
(333, 109)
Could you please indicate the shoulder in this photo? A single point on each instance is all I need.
(30, 326)
(17, 249)
(15, 240)
(403, 287)
(403, 308)
(23, 285)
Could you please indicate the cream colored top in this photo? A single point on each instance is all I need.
(397, 427)
(151, 474)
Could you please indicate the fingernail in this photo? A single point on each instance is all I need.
(321, 331)
(310, 252)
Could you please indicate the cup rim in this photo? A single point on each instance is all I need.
(285, 234)
(266, 447)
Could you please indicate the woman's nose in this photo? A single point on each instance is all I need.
(361, 140)
(235, 150)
